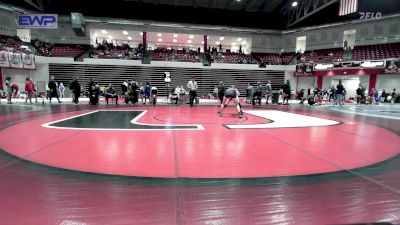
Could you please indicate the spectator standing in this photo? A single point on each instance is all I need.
(340, 91)
(394, 96)
(257, 94)
(9, 89)
(192, 85)
(53, 89)
(75, 87)
(286, 92)
(249, 92)
(268, 91)
(28, 90)
(147, 91)
(61, 89)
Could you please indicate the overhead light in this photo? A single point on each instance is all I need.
(160, 39)
(104, 31)
(370, 64)
(190, 36)
(174, 40)
(159, 34)
(125, 32)
(110, 37)
(175, 35)
(239, 39)
(221, 38)
(95, 34)
(130, 38)
(323, 66)
(294, 4)
(189, 41)
(202, 42)
(141, 33)
(217, 42)
(238, 0)
(208, 37)
(244, 42)
(234, 43)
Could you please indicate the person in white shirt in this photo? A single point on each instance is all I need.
(192, 85)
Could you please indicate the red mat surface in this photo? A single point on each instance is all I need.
(214, 152)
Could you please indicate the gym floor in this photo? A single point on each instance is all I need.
(80, 164)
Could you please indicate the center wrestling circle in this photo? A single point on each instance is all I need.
(203, 118)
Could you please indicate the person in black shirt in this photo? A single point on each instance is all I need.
(360, 94)
(286, 92)
(53, 89)
(340, 91)
(221, 91)
(257, 94)
(93, 92)
(76, 89)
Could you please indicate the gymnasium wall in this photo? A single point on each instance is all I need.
(207, 78)
(367, 33)
(388, 82)
(18, 76)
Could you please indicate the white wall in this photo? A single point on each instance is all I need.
(7, 23)
(64, 34)
(266, 43)
(329, 80)
(289, 75)
(367, 33)
(306, 82)
(388, 82)
(19, 75)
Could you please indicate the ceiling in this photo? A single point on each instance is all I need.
(263, 14)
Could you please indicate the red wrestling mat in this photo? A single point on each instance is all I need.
(213, 149)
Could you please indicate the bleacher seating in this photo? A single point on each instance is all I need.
(59, 50)
(324, 55)
(68, 50)
(12, 44)
(233, 58)
(162, 54)
(274, 58)
(109, 51)
(287, 57)
(381, 51)
(268, 58)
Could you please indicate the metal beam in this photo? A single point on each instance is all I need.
(212, 3)
(38, 5)
(248, 6)
(230, 4)
(305, 9)
(272, 5)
